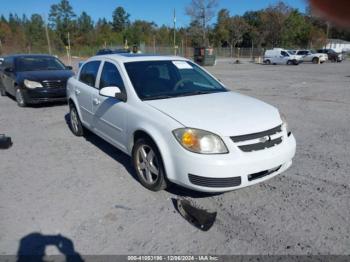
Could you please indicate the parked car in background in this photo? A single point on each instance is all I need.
(298, 57)
(1, 65)
(280, 56)
(332, 55)
(179, 123)
(312, 56)
(34, 78)
(108, 51)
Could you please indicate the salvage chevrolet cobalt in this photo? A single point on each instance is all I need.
(179, 123)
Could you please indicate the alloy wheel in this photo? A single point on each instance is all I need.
(74, 120)
(19, 97)
(147, 164)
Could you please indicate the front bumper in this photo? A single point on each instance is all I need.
(39, 95)
(235, 166)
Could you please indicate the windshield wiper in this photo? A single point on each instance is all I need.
(198, 93)
(157, 97)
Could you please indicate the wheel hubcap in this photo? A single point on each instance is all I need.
(74, 120)
(147, 164)
(19, 96)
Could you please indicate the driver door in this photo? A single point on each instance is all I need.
(110, 114)
(284, 57)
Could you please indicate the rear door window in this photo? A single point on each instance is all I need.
(88, 73)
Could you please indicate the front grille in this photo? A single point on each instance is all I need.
(214, 182)
(261, 174)
(259, 141)
(54, 84)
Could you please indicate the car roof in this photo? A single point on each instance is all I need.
(127, 57)
(30, 55)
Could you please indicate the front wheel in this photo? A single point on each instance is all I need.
(2, 91)
(315, 60)
(75, 123)
(20, 98)
(148, 165)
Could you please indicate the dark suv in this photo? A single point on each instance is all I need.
(34, 78)
(332, 55)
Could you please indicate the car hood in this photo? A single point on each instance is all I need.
(45, 75)
(226, 113)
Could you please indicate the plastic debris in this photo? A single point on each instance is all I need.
(200, 218)
(5, 142)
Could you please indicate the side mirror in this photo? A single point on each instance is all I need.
(69, 67)
(113, 91)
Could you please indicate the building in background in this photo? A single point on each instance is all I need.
(338, 45)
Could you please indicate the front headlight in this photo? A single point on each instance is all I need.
(284, 121)
(32, 84)
(200, 141)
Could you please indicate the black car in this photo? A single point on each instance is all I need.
(110, 51)
(34, 78)
(332, 55)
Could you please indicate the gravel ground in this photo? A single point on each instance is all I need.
(83, 189)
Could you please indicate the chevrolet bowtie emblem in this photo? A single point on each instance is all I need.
(264, 139)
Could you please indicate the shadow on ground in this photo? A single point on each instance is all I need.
(107, 148)
(32, 247)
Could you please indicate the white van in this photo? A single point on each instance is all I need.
(280, 56)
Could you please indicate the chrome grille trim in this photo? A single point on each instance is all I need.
(259, 141)
(54, 83)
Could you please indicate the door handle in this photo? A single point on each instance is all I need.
(96, 101)
(77, 91)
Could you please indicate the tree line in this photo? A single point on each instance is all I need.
(276, 25)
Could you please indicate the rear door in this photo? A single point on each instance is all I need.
(110, 114)
(85, 88)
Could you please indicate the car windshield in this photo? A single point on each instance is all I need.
(312, 52)
(167, 79)
(291, 52)
(38, 64)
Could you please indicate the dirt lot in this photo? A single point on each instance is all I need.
(84, 189)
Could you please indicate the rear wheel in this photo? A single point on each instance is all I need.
(315, 60)
(268, 62)
(20, 98)
(75, 123)
(148, 165)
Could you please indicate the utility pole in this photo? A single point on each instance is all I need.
(174, 32)
(154, 44)
(68, 50)
(47, 36)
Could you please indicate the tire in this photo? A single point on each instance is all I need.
(21, 102)
(268, 62)
(315, 60)
(2, 91)
(75, 124)
(289, 62)
(148, 165)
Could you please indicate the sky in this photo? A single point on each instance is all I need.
(158, 11)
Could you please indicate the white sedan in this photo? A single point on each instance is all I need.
(179, 123)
